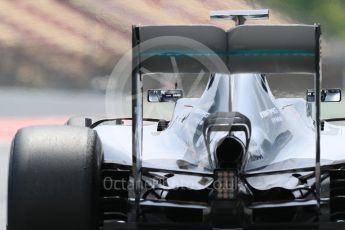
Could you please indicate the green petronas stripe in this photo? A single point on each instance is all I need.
(229, 53)
(271, 53)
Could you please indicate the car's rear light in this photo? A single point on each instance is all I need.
(225, 184)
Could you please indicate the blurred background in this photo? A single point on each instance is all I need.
(57, 55)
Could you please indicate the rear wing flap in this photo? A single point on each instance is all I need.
(243, 49)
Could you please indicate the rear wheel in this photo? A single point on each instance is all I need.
(54, 178)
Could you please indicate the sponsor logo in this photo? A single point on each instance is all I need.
(255, 155)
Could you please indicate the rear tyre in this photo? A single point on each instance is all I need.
(54, 178)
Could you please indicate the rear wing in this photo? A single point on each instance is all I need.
(243, 49)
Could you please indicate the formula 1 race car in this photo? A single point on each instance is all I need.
(235, 157)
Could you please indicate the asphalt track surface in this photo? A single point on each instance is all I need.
(21, 107)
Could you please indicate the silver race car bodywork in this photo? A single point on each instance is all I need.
(283, 136)
(236, 127)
